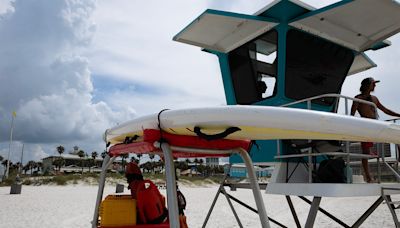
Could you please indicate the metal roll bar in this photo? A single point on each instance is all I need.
(171, 181)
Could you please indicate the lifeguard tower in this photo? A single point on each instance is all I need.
(291, 54)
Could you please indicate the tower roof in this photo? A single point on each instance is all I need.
(224, 31)
(356, 24)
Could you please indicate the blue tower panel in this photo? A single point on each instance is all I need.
(264, 152)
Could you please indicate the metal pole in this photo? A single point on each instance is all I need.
(396, 174)
(379, 147)
(326, 213)
(293, 210)
(211, 208)
(310, 166)
(100, 191)
(396, 150)
(389, 203)
(368, 212)
(9, 147)
(22, 155)
(216, 197)
(348, 174)
(255, 187)
(313, 212)
(173, 214)
(232, 208)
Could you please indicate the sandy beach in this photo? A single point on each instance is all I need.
(72, 206)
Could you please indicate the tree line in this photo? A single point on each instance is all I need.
(31, 166)
(89, 161)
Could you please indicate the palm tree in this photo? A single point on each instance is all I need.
(124, 156)
(60, 149)
(139, 156)
(25, 169)
(133, 158)
(151, 156)
(19, 166)
(58, 163)
(103, 155)
(187, 160)
(31, 165)
(39, 166)
(81, 154)
(1, 159)
(4, 163)
(94, 156)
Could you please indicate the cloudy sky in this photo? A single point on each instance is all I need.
(73, 68)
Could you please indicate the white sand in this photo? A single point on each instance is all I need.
(72, 207)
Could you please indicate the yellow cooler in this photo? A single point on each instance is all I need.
(118, 210)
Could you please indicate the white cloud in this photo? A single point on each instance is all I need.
(47, 80)
(5, 5)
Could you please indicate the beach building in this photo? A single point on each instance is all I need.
(212, 162)
(73, 163)
(190, 172)
(240, 171)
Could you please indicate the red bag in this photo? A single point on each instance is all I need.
(150, 203)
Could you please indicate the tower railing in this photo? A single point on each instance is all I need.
(380, 147)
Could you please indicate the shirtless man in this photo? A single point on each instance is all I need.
(368, 111)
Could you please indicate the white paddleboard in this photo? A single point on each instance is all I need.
(261, 123)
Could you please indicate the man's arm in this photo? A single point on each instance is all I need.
(354, 107)
(384, 109)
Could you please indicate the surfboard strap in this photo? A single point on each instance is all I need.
(159, 126)
(221, 135)
(130, 139)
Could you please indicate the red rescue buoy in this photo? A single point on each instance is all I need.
(150, 203)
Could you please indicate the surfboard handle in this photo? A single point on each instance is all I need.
(221, 135)
(129, 140)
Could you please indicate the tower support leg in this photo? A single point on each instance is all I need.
(313, 212)
(173, 213)
(256, 188)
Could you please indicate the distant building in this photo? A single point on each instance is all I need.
(213, 162)
(239, 170)
(189, 172)
(73, 163)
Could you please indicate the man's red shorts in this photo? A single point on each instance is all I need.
(365, 146)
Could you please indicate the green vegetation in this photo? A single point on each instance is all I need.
(91, 178)
(63, 172)
(49, 180)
